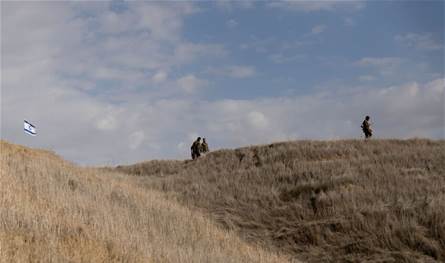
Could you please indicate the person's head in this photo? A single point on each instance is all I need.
(204, 139)
(199, 139)
(367, 118)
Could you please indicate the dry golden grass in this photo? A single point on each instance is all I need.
(53, 211)
(337, 201)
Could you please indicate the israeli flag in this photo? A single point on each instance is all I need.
(29, 128)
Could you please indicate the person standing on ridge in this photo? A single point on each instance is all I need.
(196, 147)
(366, 127)
(204, 146)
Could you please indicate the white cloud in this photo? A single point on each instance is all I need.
(69, 69)
(271, 47)
(136, 139)
(315, 6)
(232, 23)
(110, 73)
(244, 46)
(229, 5)
(191, 136)
(318, 29)
(94, 46)
(241, 71)
(332, 114)
(280, 58)
(107, 123)
(190, 83)
(188, 52)
(260, 45)
(384, 61)
(349, 21)
(163, 21)
(113, 23)
(257, 119)
(181, 146)
(366, 78)
(160, 76)
(420, 41)
(165, 128)
(385, 65)
(235, 71)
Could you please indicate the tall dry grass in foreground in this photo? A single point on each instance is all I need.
(338, 201)
(52, 211)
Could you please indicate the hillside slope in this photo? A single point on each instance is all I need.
(53, 211)
(337, 201)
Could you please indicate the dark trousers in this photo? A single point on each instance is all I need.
(368, 134)
(195, 154)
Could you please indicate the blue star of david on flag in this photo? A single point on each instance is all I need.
(29, 128)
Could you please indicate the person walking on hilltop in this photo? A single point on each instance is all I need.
(196, 148)
(204, 146)
(366, 127)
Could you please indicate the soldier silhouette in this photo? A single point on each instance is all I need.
(196, 148)
(366, 127)
(204, 146)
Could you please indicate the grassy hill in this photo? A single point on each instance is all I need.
(53, 211)
(319, 201)
(314, 201)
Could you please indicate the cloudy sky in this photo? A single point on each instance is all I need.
(117, 82)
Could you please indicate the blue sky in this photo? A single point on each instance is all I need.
(263, 36)
(121, 82)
